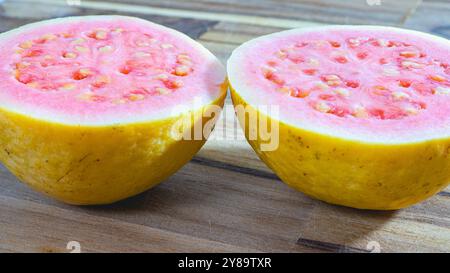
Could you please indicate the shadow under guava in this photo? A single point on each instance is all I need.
(239, 206)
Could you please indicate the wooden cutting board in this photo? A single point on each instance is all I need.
(225, 199)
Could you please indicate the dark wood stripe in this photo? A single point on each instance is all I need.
(258, 173)
(249, 171)
(443, 31)
(234, 168)
(326, 246)
(227, 42)
(444, 193)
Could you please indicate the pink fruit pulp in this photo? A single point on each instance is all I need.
(104, 69)
(375, 84)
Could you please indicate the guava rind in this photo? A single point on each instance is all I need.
(350, 173)
(85, 165)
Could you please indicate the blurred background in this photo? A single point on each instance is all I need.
(221, 25)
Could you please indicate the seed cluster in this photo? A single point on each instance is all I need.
(359, 77)
(102, 65)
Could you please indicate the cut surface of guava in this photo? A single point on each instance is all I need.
(369, 84)
(103, 70)
(95, 109)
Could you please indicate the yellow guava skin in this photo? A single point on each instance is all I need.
(350, 173)
(93, 165)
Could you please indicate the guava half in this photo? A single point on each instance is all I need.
(95, 109)
(364, 111)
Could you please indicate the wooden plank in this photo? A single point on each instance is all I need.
(220, 50)
(235, 33)
(431, 16)
(409, 230)
(249, 211)
(322, 11)
(17, 13)
(222, 38)
(172, 12)
(46, 228)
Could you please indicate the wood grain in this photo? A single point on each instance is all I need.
(321, 11)
(225, 199)
(46, 228)
(15, 13)
(432, 16)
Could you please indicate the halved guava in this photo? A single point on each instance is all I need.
(88, 105)
(364, 111)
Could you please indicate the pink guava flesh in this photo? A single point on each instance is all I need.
(104, 69)
(369, 83)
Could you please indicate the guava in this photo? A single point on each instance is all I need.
(88, 105)
(364, 111)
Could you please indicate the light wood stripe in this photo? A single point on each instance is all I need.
(212, 16)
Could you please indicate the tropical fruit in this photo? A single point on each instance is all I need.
(363, 111)
(96, 109)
